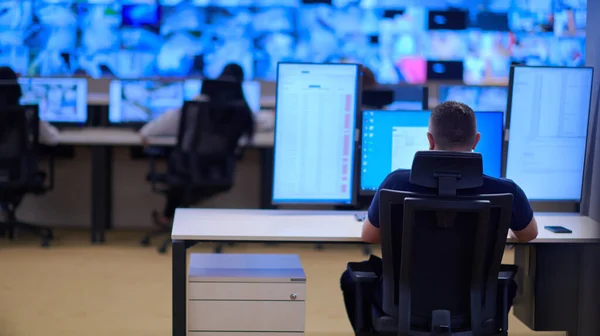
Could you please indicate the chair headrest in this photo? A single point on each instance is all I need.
(447, 171)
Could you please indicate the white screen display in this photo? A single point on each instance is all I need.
(548, 131)
(314, 133)
(60, 100)
(140, 101)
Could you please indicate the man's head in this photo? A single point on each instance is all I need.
(452, 127)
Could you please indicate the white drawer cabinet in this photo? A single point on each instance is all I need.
(234, 294)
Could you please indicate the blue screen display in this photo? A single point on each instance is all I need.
(472, 40)
(314, 133)
(479, 98)
(390, 140)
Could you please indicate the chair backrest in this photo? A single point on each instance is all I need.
(207, 141)
(452, 243)
(19, 133)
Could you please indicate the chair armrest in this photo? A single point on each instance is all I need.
(364, 277)
(506, 277)
(362, 273)
(507, 274)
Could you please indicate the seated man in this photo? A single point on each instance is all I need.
(452, 127)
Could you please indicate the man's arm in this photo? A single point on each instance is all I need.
(529, 233)
(523, 226)
(370, 234)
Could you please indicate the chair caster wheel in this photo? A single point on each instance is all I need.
(50, 234)
(145, 241)
(45, 243)
(162, 250)
(319, 247)
(218, 248)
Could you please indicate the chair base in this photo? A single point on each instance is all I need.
(12, 228)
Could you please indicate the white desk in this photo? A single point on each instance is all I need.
(193, 225)
(127, 137)
(330, 226)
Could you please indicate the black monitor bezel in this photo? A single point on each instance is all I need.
(508, 120)
(67, 124)
(355, 163)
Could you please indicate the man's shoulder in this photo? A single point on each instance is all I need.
(398, 179)
(498, 185)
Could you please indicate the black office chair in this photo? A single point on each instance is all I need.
(19, 173)
(443, 278)
(203, 162)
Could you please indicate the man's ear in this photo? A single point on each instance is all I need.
(431, 141)
(477, 138)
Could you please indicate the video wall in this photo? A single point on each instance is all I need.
(407, 41)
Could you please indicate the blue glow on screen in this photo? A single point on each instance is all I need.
(391, 138)
(197, 38)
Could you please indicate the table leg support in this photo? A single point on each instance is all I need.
(266, 178)
(101, 192)
(179, 288)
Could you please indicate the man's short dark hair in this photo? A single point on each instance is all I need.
(453, 124)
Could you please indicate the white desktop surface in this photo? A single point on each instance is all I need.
(330, 226)
(129, 137)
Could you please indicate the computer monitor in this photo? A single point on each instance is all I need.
(408, 97)
(390, 140)
(140, 101)
(60, 100)
(314, 133)
(479, 98)
(548, 115)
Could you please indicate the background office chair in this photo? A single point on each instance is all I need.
(202, 164)
(19, 175)
(442, 279)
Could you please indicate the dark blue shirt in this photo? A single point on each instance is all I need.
(522, 213)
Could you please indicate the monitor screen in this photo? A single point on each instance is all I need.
(140, 101)
(548, 121)
(408, 97)
(314, 133)
(479, 98)
(60, 100)
(401, 41)
(390, 140)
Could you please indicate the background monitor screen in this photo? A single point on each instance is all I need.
(401, 41)
(140, 101)
(408, 97)
(314, 133)
(390, 140)
(479, 98)
(548, 122)
(60, 100)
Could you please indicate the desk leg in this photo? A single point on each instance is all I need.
(266, 178)
(101, 192)
(179, 283)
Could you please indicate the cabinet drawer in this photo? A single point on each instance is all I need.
(284, 291)
(280, 316)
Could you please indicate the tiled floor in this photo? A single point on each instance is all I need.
(75, 289)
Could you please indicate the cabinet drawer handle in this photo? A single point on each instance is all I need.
(293, 296)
